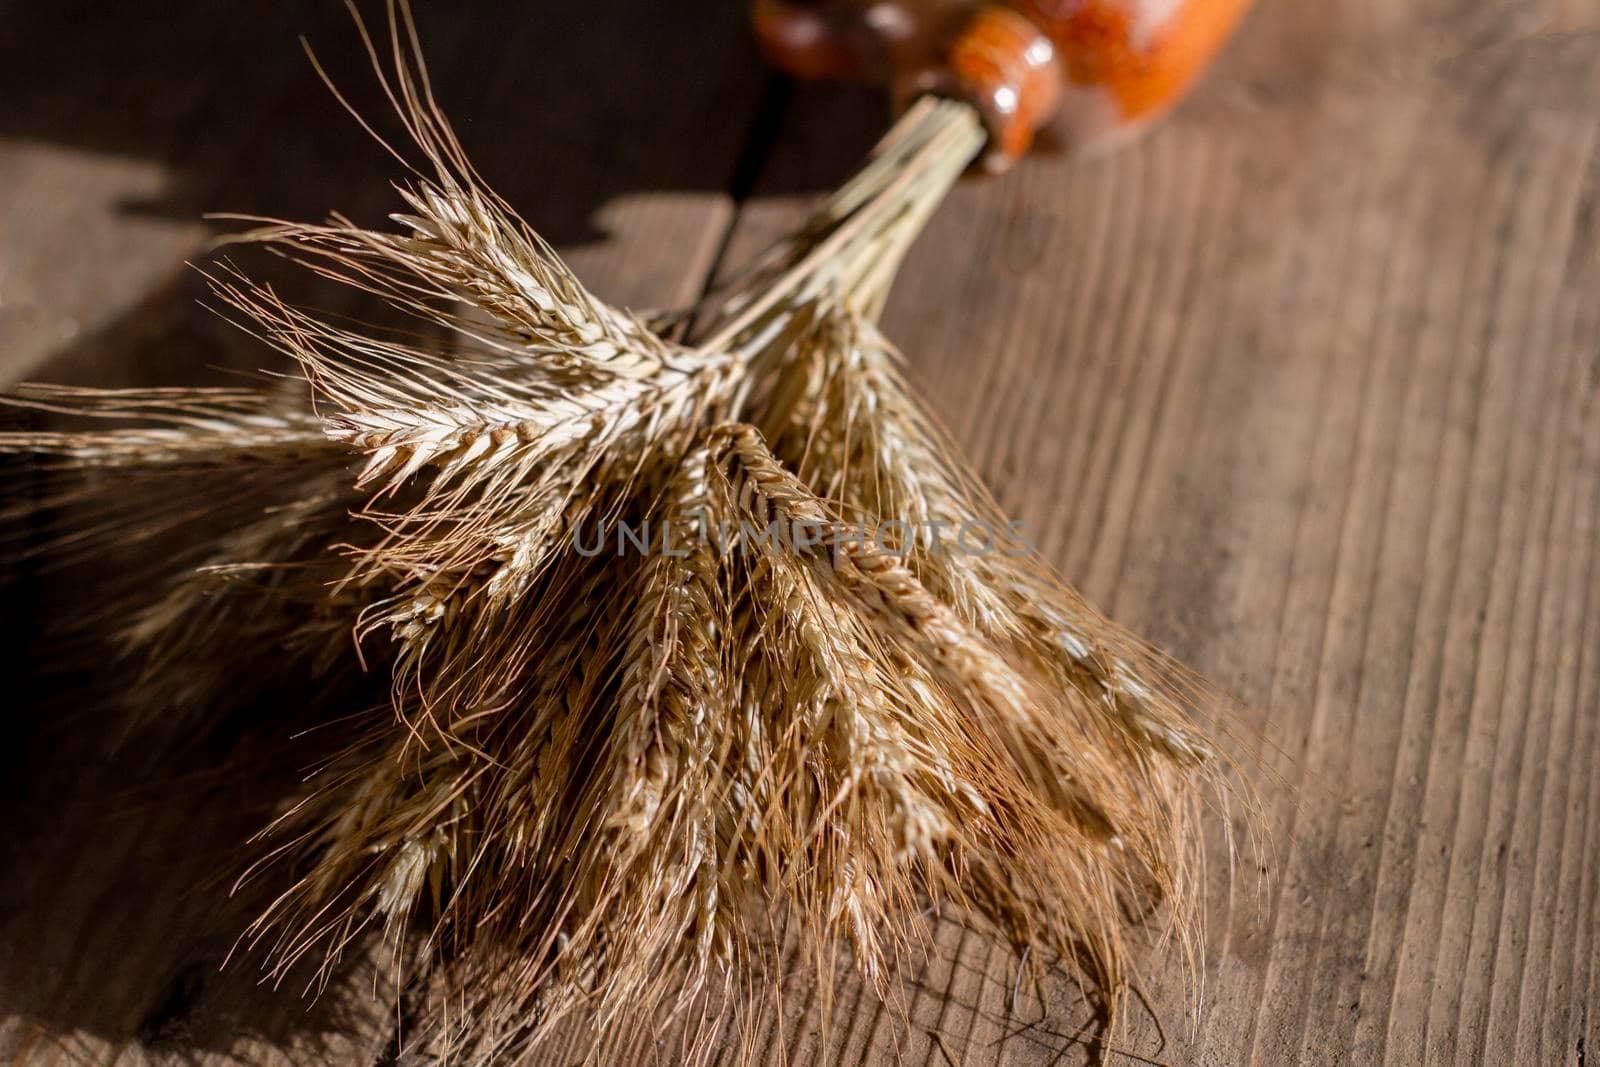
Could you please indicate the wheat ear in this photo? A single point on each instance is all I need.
(611, 786)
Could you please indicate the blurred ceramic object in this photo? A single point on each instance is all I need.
(1095, 71)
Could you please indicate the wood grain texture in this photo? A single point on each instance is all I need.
(1303, 387)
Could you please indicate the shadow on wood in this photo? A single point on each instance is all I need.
(115, 905)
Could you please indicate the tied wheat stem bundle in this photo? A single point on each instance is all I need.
(613, 786)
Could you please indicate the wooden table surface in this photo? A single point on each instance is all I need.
(1302, 386)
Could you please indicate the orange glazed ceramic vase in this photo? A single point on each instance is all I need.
(1097, 71)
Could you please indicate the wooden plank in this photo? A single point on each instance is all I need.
(119, 129)
(1303, 387)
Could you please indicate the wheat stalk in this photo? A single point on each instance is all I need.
(610, 785)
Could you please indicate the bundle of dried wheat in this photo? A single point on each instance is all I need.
(616, 779)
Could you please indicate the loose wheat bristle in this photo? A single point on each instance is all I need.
(612, 784)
